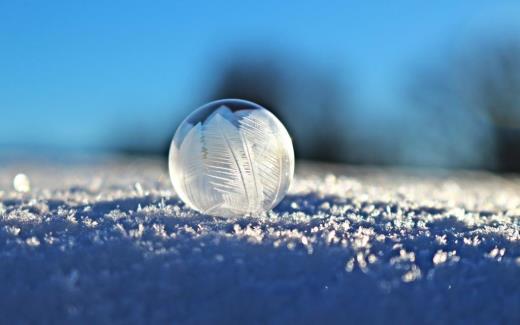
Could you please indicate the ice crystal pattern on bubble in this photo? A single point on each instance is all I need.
(231, 161)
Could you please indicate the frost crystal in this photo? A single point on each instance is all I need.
(231, 158)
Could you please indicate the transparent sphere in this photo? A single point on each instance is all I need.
(231, 157)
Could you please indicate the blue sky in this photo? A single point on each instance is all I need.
(80, 74)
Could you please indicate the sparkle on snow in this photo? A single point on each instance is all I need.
(99, 243)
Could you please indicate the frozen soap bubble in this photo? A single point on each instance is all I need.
(231, 157)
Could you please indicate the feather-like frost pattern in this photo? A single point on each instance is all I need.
(230, 163)
(193, 169)
(268, 156)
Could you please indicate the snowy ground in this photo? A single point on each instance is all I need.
(110, 242)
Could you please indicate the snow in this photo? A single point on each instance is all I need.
(110, 242)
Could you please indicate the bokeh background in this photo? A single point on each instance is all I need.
(407, 83)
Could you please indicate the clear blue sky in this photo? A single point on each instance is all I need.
(81, 73)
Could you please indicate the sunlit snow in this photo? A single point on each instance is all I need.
(112, 242)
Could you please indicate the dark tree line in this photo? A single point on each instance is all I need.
(464, 110)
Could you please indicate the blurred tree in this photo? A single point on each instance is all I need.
(328, 137)
(305, 98)
(469, 107)
(497, 87)
(255, 78)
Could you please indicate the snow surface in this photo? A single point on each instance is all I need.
(110, 242)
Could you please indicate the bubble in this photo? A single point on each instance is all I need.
(21, 183)
(231, 157)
